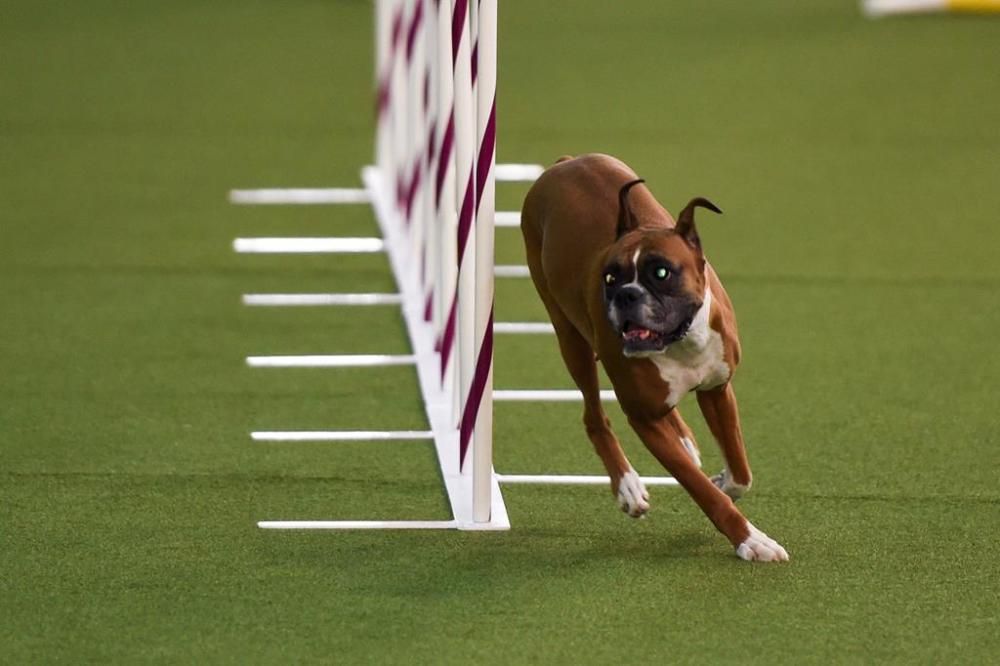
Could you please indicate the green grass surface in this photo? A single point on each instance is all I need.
(857, 163)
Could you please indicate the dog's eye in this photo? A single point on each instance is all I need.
(609, 278)
(662, 273)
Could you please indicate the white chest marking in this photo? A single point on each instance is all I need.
(696, 361)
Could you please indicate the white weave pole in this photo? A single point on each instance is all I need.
(407, 135)
(482, 438)
(432, 230)
(383, 75)
(397, 106)
(446, 199)
(417, 136)
(465, 151)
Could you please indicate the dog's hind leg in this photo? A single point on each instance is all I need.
(718, 406)
(687, 437)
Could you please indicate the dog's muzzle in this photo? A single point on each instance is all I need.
(643, 326)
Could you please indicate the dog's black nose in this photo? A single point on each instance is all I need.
(627, 295)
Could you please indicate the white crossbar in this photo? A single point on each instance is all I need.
(300, 196)
(577, 480)
(523, 173)
(547, 395)
(330, 361)
(511, 271)
(507, 218)
(308, 245)
(357, 524)
(877, 8)
(523, 327)
(339, 435)
(321, 299)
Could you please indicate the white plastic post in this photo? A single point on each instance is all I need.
(444, 173)
(416, 136)
(465, 149)
(446, 195)
(398, 104)
(482, 438)
(432, 230)
(383, 20)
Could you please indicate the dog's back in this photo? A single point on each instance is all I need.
(569, 218)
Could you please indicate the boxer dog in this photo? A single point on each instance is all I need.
(625, 284)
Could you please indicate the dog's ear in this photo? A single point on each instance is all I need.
(626, 218)
(685, 221)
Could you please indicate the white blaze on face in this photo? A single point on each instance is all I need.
(696, 361)
(647, 312)
(635, 264)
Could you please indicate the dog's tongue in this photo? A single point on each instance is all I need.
(637, 333)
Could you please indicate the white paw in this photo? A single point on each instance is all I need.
(633, 498)
(692, 450)
(759, 547)
(724, 481)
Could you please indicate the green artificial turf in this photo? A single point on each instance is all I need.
(857, 163)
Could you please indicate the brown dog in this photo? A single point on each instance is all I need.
(626, 285)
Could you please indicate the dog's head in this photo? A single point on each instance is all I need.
(653, 279)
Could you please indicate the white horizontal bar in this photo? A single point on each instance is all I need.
(525, 173)
(322, 299)
(329, 361)
(547, 395)
(528, 327)
(339, 435)
(507, 218)
(511, 271)
(308, 245)
(300, 195)
(876, 8)
(577, 479)
(357, 524)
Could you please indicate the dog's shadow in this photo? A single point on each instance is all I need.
(629, 545)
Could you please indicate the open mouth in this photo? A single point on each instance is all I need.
(638, 339)
(636, 333)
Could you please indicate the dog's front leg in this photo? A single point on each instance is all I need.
(627, 487)
(665, 444)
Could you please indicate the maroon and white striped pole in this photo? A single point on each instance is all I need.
(431, 248)
(436, 149)
(459, 332)
(390, 101)
(480, 402)
(446, 202)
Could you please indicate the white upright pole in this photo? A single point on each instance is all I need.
(482, 438)
(432, 230)
(383, 20)
(416, 138)
(446, 198)
(465, 151)
(396, 178)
